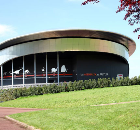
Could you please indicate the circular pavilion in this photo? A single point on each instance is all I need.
(64, 55)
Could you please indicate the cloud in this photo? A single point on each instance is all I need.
(6, 30)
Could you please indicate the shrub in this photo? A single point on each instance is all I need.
(109, 82)
(99, 83)
(87, 84)
(65, 85)
(117, 82)
(113, 83)
(75, 85)
(126, 81)
(16, 93)
(45, 89)
(70, 86)
(53, 88)
(10, 94)
(39, 90)
(7, 95)
(93, 83)
(24, 92)
(60, 88)
(104, 82)
(134, 80)
(80, 85)
(138, 80)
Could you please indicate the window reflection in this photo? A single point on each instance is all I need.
(63, 68)
(29, 68)
(18, 70)
(7, 73)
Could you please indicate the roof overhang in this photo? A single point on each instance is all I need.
(84, 33)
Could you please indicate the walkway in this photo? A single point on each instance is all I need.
(6, 124)
(115, 103)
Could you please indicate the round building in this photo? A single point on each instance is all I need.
(64, 55)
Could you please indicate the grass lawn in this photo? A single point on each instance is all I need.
(72, 110)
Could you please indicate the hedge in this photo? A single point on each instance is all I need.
(14, 93)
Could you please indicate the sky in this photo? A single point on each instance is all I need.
(21, 17)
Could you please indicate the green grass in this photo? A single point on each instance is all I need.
(78, 98)
(72, 110)
(117, 117)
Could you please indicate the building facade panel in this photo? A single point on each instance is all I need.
(64, 44)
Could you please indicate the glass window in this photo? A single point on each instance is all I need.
(18, 70)
(29, 69)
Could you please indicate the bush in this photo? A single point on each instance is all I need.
(32, 91)
(75, 85)
(89, 84)
(126, 81)
(45, 89)
(39, 90)
(11, 94)
(99, 83)
(70, 86)
(109, 82)
(118, 82)
(80, 85)
(7, 95)
(53, 88)
(138, 80)
(93, 83)
(60, 88)
(104, 82)
(113, 83)
(65, 87)
(16, 93)
(134, 80)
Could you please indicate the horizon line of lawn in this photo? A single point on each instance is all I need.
(78, 98)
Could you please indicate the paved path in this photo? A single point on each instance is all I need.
(114, 103)
(6, 124)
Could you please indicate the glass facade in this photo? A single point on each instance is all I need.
(66, 66)
(29, 69)
(7, 73)
(52, 67)
(75, 65)
(41, 68)
(18, 70)
(35, 59)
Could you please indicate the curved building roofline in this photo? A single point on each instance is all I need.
(83, 33)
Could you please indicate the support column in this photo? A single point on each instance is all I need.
(23, 72)
(46, 69)
(35, 68)
(58, 67)
(12, 74)
(1, 76)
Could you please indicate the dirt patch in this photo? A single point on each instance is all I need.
(115, 103)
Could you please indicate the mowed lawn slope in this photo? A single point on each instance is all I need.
(73, 110)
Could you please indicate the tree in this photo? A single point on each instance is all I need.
(132, 8)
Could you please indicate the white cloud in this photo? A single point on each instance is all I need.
(6, 30)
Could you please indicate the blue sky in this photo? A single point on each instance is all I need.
(21, 17)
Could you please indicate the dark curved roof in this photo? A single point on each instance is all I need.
(110, 36)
